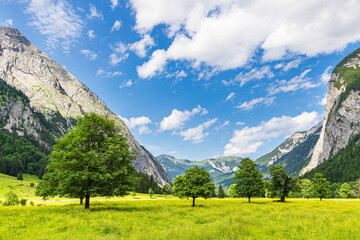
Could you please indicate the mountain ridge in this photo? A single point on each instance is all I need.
(52, 90)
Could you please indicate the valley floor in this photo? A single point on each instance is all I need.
(176, 219)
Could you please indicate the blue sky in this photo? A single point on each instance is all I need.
(195, 78)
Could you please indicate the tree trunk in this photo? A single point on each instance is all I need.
(249, 198)
(165, 195)
(81, 200)
(87, 201)
(282, 199)
(320, 198)
(193, 202)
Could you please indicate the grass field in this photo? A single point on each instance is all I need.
(176, 219)
(9, 183)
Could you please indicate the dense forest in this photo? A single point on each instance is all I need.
(343, 166)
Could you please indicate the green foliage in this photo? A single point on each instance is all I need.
(133, 194)
(23, 201)
(196, 183)
(249, 180)
(221, 193)
(350, 75)
(20, 176)
(232, 192)
(343, 166)
(145, 182)
(151, 192)
(93, 159)
(11, 199)
(166, 190)
(346, 191)
(179, 186)
(320, 186)
(281, 182)
(19, 154)
(306, 188)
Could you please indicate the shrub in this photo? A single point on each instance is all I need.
(23, 202)
(32, 184)
(11, 199)
(20, 176)
(32, 203)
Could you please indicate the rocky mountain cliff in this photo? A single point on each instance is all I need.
(221, 169)
(57, 95)
(294, 153)
(342, 112)
(215, 166)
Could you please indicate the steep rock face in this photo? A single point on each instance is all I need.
(52, 90)
(294, 153)
(342, 112)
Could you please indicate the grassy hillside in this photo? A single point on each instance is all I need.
(9, 183)
(176, 219)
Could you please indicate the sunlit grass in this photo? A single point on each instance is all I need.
(176, 219)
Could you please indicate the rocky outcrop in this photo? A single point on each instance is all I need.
(215, 166)
(51, 90)
(342, 112)
(294, 153)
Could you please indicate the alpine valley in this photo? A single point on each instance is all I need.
(331, 147)
(40, 101)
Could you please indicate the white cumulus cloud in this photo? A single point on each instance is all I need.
(141, 123)
(248, 139)
(177, 118)
(94, 13)
(249, 105)
(91, 34)
(292, 85)
(89, 54)
(116, 26)
(114, 4)
(140, 47)
(230, 96)
(325, 77)
(197, 134)
(227, 34)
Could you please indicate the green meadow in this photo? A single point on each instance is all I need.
(175, 219)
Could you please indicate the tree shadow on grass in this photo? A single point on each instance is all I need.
(123, 209)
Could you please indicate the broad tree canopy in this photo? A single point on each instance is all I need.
(92, 159)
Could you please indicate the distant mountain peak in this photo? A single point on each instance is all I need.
(52, 90)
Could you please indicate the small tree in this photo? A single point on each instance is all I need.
(23, 201)
(221, 193)
(320, 186)
(20, 176)
(166, 190)
(306, 188)
(232, 192)
(151, 192)
(281, 182)
(267, 188)
(196, 183)
(134, 194)
(346, 191)
(11, 199)
(92, 159)
(179, 186)
(249, 180)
